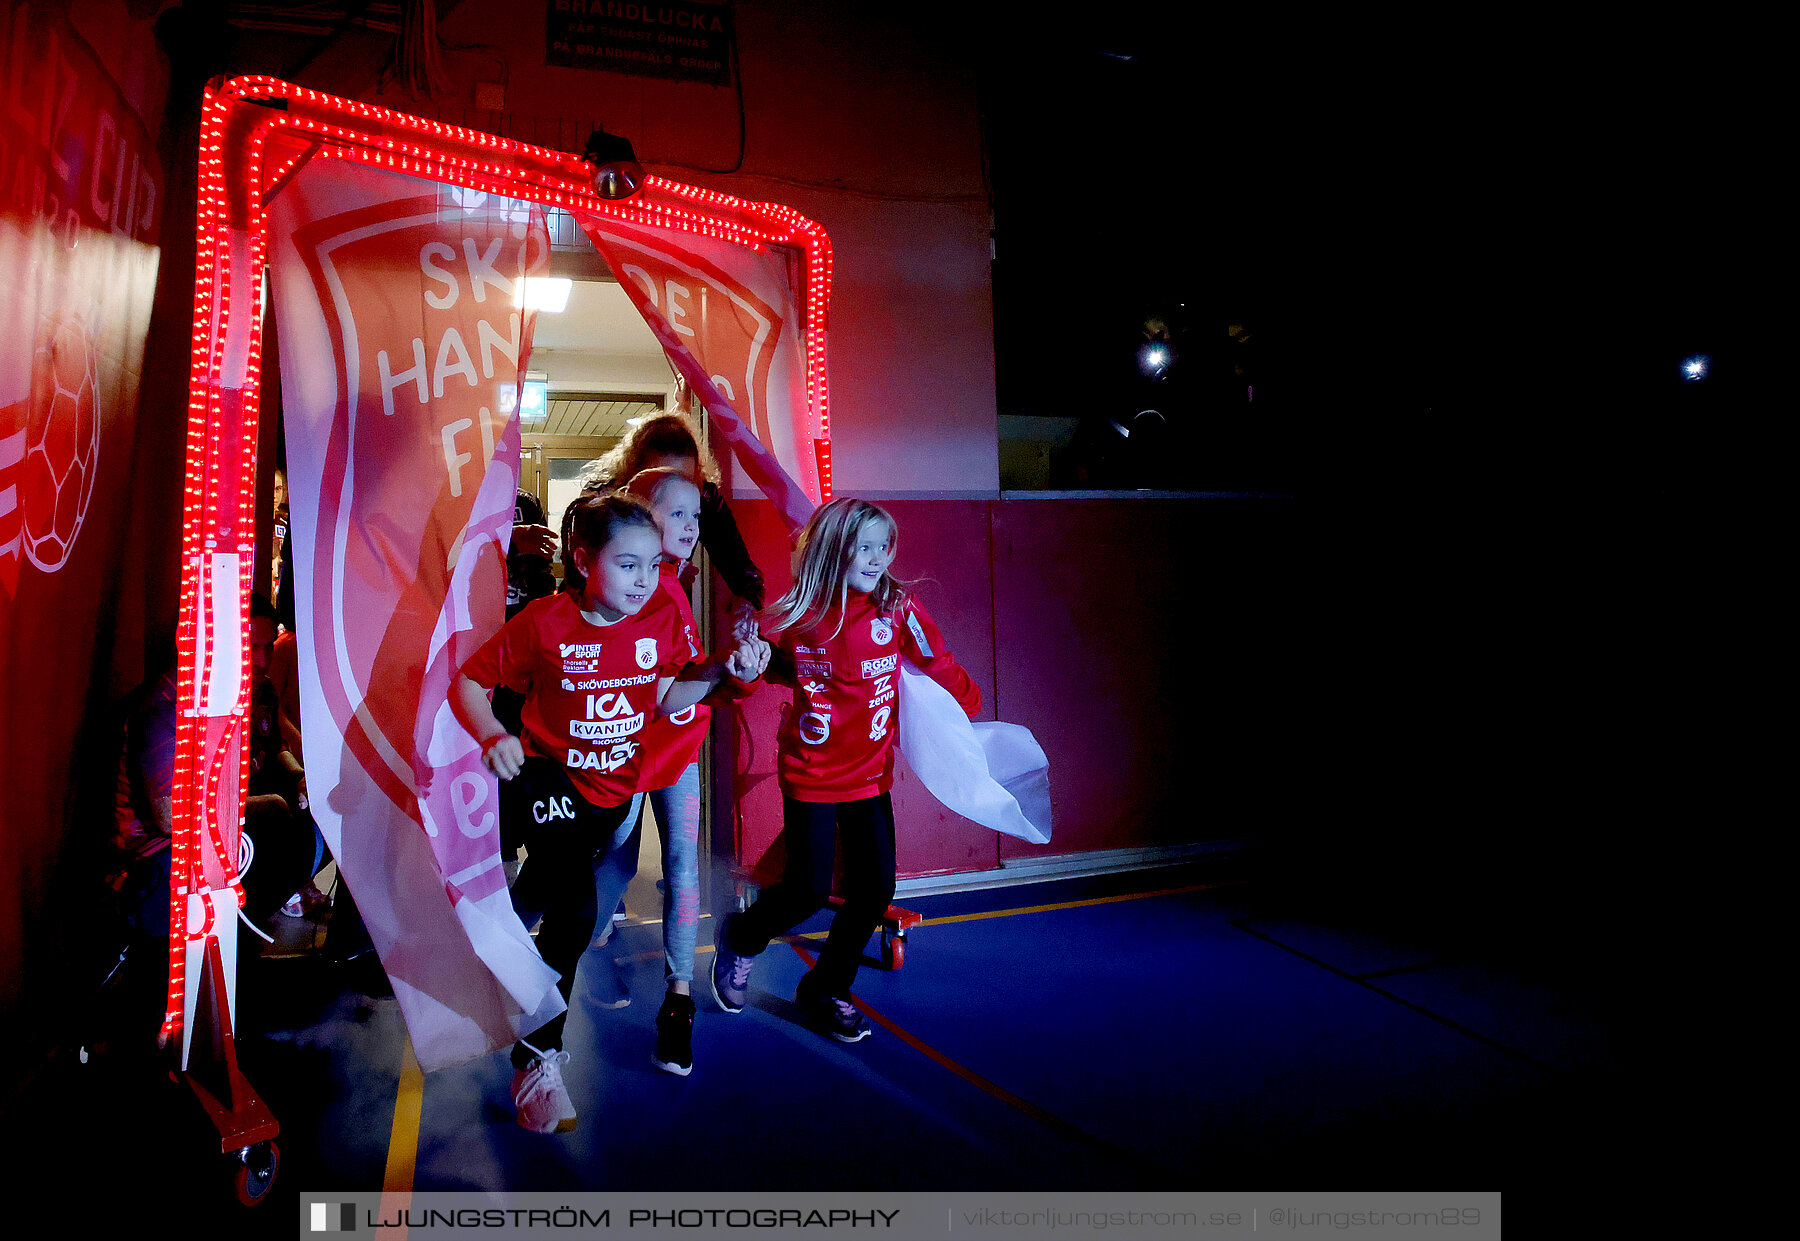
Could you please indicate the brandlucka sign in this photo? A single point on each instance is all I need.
(689, 40)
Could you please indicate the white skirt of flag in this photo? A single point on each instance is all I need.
(993, 773)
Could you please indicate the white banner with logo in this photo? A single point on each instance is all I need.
(728, 317)
(401, 350)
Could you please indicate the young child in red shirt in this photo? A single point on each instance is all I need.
(839, 634)
(596, 663)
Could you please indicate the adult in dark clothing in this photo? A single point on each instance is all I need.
(528, 577)
(528, 572)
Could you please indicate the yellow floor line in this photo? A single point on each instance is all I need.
(403, 1139)
(701, 949)
(1097, 900)
(1038, 909)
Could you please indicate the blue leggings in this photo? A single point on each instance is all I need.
(677, 811)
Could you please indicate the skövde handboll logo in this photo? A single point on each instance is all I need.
(646, 652)
(881, 631)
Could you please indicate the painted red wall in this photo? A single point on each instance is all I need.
(80, 241)
(1149, 646)
(864, 119)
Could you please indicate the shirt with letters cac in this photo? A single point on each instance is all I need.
(590, 690)
(838, 741)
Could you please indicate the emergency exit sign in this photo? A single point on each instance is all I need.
(688, 40)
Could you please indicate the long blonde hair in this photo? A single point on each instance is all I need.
(661, 433)
(821, 568)
(646, 485)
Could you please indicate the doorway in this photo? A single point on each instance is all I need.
(603, 371)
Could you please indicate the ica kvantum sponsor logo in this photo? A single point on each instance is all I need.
(604, 730)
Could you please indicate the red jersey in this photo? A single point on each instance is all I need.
(671, 741)
(838, 741)
(590, 690)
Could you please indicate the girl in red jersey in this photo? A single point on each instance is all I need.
(841, 632)
(596, 664)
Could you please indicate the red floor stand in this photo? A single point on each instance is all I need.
(895, 923)
(247, 1129)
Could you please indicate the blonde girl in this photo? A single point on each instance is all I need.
(839, 635)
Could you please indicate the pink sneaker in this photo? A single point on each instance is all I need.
(539, 1094)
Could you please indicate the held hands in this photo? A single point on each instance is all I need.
(749, 659)
(503, 755)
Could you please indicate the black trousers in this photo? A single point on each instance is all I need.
(564, 836)
(814, 833)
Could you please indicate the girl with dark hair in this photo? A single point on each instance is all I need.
(596, 665)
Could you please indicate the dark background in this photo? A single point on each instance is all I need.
(1471, 263)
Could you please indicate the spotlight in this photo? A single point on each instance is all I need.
(1696, 368)
(546, 293)
(617, 173)
(1155, 358)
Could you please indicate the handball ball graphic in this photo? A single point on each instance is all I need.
(62, 440)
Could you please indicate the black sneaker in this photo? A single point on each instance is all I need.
(675, 1035)
(730, 972)
(833, 1015)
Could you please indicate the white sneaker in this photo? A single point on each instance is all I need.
(539, 1094)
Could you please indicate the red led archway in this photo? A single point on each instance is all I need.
(257, 133)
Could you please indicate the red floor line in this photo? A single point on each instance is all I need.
(1048, 1119)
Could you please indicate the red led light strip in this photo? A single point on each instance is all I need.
(235, 134)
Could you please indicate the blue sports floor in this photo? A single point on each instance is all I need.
(1174, 1028)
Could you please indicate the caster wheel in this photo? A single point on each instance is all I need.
(893, 951)
(253, 1172)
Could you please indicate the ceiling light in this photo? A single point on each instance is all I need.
(549, 294)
